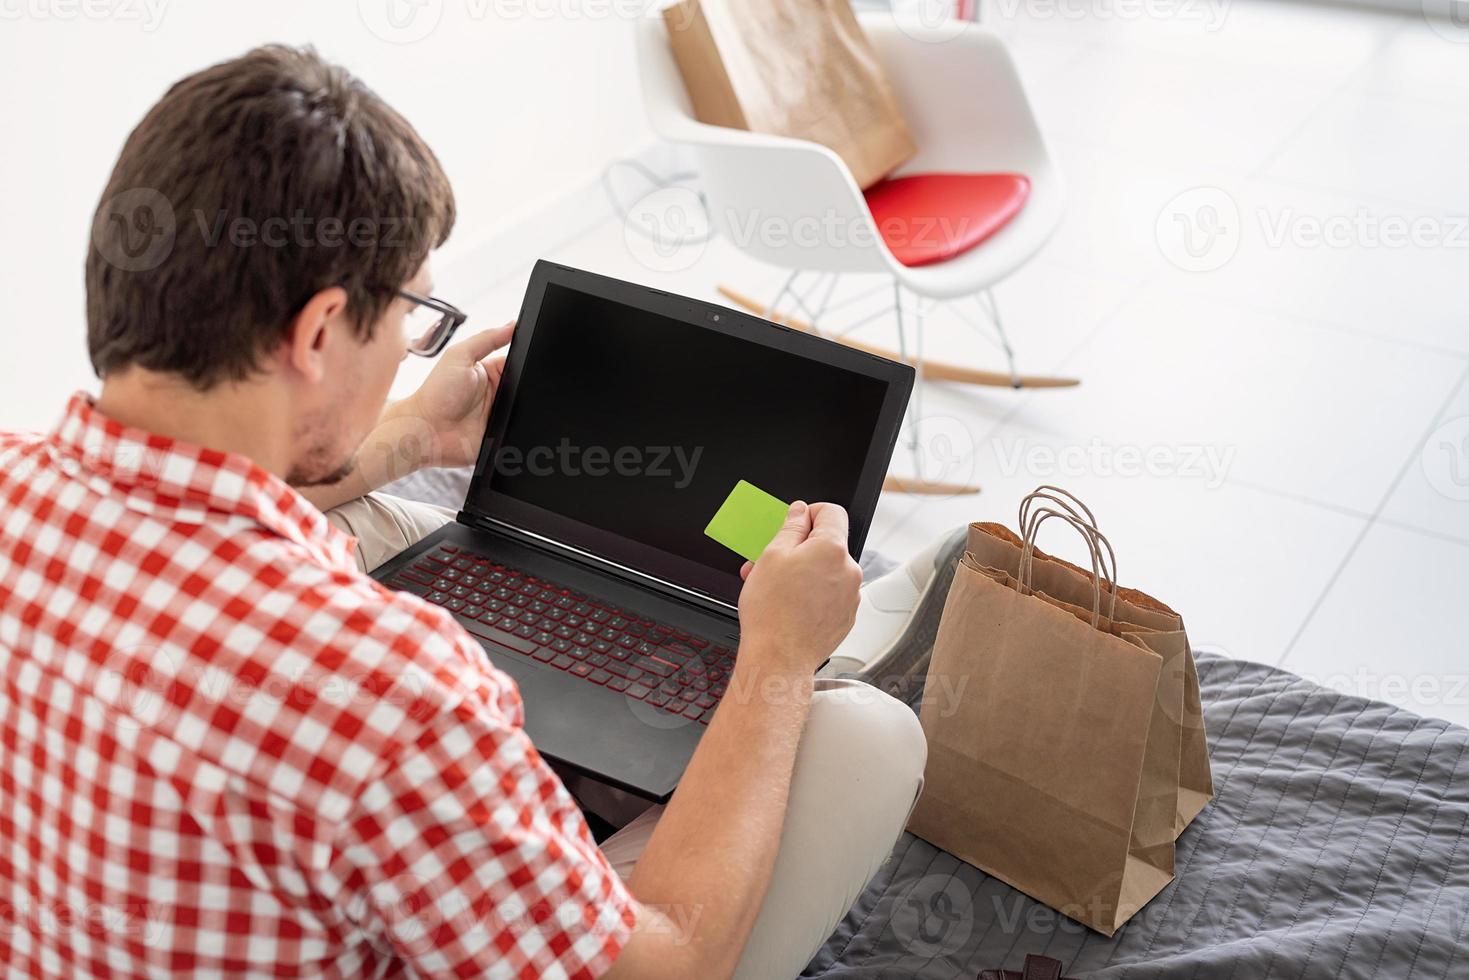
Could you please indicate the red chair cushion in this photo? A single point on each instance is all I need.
(927, 218)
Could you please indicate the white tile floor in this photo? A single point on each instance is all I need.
(1304, 406)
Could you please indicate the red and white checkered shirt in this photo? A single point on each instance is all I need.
(225, 750)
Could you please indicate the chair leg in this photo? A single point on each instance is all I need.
(915, 403)
(820, 312)
(932, 370)
(917, 484)
(1004, 338)
(774, 307)
(989, 307)
(893, 483)
(800, 297)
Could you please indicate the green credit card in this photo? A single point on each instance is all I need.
(747, 520)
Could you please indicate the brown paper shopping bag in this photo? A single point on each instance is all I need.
(1166, 637)
(1056, 772)
(803, 69)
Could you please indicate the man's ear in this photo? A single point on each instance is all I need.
(304, 348)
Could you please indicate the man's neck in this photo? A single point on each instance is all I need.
(243, 418)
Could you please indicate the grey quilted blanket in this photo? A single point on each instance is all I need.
(1335, 847)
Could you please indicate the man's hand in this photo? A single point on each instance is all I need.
(800, 598)
(453, 403)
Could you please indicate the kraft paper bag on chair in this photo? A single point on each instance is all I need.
(1057, 773)
(803, 70)
(1059, 578)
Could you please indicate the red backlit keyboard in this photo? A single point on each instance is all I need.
(529, 616)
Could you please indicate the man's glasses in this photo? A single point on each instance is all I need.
(430, 323)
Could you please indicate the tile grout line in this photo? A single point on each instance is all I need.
(1444, 536)
(1373, 519)
(1325, 591)
(1335, 93)
(1300, 498)
(1131, 292)
(1318, 323)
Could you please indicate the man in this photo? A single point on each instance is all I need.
(224, 749)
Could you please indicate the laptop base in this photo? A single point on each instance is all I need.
(612, 736)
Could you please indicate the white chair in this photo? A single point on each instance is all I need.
(968, 113)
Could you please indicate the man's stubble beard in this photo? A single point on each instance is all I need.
(307, 476)
(320, 464)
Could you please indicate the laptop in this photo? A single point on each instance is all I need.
(624, 420)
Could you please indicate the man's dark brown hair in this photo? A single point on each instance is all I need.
(247, 189)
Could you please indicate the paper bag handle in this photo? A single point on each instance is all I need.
(1065, 499)
(1058, 496)
(1095, 540)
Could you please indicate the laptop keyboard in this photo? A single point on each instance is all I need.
(530, 616)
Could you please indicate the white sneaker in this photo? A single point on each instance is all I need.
(898, 618)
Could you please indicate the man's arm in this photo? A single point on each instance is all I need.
(440, 424)
(704, 873)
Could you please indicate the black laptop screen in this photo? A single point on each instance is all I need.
(628, 429)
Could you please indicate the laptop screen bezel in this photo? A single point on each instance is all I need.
(620, 555)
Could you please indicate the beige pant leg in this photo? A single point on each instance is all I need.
(858, 771)
(385, 525)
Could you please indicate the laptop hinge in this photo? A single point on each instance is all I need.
(529, 538)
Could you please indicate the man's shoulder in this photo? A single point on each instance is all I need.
(359, 624)
(14, 437)
(19, 442)
(336, 675)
